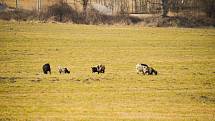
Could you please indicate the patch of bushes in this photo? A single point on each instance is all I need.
(18, 14)
(185, 22)
(62, 12)
(95, 17)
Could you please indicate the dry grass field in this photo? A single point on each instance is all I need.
(184, 89)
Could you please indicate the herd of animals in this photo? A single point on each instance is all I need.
(140, 68)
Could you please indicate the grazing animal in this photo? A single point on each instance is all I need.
(141, 68)
(63, 70)
(94, 69)
(151, 71)
(46, 68)
(145, 69)
(99, 68)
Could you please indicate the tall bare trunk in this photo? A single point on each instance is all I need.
(85, 3)
(165, 6)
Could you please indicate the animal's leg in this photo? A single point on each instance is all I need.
(155, 72)
(137, 71)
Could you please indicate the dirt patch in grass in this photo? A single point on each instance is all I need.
(54, 79)
(9, 79)
(36, 80)
(89, 79)
(206, 99)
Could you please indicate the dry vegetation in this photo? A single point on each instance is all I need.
(183, 90)
(179, 16)
(62, 12)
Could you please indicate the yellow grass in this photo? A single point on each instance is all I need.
(184, 89)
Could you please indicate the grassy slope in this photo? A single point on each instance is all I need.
(183, 90)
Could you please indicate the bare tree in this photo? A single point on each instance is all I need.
(85, 4)
(209, 8)
(165, 7)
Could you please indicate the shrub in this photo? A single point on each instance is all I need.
(61, 12)
(18, 14)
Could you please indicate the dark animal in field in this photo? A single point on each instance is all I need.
(46, 68)
(99, 68)
(63, 70)
(151, 71)
(94, 69)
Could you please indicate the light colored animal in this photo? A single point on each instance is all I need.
(142, 68)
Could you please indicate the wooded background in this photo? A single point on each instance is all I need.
(174, 7)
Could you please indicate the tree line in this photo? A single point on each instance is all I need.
(196, 7)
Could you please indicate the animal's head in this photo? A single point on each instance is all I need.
(59, 67)
(94, 69)
(156, 73)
